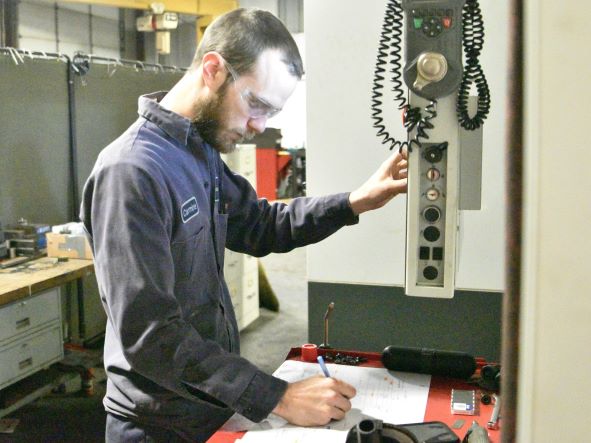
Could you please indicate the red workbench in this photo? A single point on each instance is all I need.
(438, 403)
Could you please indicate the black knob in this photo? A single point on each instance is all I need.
(431, 233)
(433, 154)
(430, 273)
(432, 214)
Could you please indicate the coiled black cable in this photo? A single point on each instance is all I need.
(473, 40)
(390, 44)
(390, 48)
(423, 124)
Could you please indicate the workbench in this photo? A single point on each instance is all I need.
(31, 329)
(37, 275)
(438, 402)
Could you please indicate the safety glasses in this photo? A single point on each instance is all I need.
(256, 106)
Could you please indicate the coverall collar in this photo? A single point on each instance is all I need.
(176, 126)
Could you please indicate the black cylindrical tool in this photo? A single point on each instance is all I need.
(429, 361)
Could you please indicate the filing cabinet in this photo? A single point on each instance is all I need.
(30, 335)
(240, 270)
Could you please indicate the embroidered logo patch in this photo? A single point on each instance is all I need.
(189, 209)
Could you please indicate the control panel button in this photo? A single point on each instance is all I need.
(424, 253)
(437, 253)
(433, 174)
(430, 273)
(431, 21)
(418, 22)
(432, 194)
(432, 214)
(431, 233)
(446, 22)
(433, 154)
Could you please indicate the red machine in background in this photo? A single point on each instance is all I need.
(280, 172)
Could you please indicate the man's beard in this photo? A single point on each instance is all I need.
(209, 116)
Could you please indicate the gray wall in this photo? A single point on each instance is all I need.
(106, 104)
(34, 148)
(63, 27)
(369, 318)
(35, 181)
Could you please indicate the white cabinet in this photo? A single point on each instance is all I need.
(240, 270)
(244, 162)
(30, 335)
(242, 278)
(28, 315)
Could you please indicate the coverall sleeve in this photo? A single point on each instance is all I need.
(257, 227)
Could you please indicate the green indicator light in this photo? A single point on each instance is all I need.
(418, 22)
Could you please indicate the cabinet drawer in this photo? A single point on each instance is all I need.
(28, 314)
(26, 356)
(237, 265)
(231, 263)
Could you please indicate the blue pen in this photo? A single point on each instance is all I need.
(323, 365)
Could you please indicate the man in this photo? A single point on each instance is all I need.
(159, 208)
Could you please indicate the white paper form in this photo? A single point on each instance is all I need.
(394, 397)
(294, 435)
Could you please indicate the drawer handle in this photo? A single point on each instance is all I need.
(25, 363)
(23, 323)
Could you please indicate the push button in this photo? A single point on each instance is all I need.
(432, 194)
(424, 253)
(418, 22)
(446, 22)
(430, 273)
(437, 253)
(431, 214)
(433, 174)
(431, 233)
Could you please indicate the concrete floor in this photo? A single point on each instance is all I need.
(76, 418)
(267, 341)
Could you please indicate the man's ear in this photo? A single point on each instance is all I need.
(214, 72)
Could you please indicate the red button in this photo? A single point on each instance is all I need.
(446, 22)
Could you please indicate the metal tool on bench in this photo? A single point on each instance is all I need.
(376, 431)
(329, 310)
(493, 423)
(476, 434)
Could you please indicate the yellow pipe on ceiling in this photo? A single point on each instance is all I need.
(211, 8)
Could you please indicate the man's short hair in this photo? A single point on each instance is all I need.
(241, 35)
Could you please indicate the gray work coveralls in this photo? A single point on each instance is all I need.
(159, 207)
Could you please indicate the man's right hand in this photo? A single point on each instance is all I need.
(315, 401)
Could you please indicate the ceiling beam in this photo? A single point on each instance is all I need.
(211, 8)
